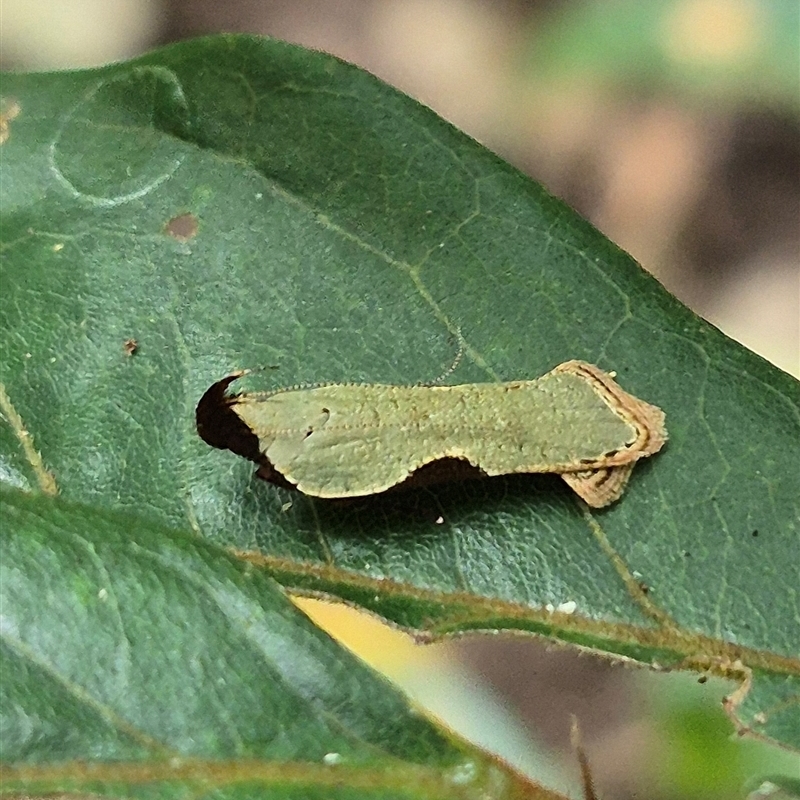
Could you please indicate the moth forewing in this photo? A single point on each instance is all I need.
(599, 487)
(350, 440)
(646, 419)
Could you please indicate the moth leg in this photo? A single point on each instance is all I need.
(599, 487)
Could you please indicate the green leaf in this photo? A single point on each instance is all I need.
(345, 233)
(179, 666)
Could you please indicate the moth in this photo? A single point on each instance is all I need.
(352, 440)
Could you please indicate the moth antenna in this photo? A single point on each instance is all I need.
(297, 387)
(454, 366)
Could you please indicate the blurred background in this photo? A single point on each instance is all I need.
(674, 126)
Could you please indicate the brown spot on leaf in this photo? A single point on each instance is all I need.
(130, 347)
(183, 227)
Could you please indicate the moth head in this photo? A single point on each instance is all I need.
(220, 426)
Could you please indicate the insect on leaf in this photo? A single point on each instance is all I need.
(351, 440)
